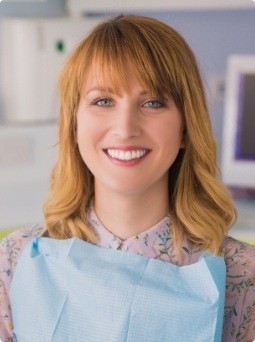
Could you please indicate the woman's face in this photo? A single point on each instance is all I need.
(130, 140)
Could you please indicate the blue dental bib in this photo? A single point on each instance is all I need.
(71, 290)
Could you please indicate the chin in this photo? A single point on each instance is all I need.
(126, 188)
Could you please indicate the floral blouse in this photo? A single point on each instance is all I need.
(156, 242)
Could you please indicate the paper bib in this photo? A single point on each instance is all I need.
(71, 290)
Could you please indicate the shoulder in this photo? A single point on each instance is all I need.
(12, 246)
(239, 318)
(10, 249)
(239, 253)
(240, 268)
(239, 257)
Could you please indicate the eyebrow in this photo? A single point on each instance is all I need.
(110, 90)
(102, 89)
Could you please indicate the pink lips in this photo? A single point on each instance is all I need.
(131, 162)
(126, 148)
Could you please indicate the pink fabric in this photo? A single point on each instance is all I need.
(156, 242)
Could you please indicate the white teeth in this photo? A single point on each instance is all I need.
(126, 155)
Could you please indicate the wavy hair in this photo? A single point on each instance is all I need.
(201, 206)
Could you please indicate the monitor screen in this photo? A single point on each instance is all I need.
(238, 147)
(245, 136)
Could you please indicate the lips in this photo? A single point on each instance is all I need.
(126, 154)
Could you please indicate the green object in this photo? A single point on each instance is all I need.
(5, 232)
(60, 45)
(250, 241)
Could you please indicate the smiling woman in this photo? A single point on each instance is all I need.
(135, 195)
(128, 140)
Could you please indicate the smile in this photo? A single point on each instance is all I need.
(126, 155)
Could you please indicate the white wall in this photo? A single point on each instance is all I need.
(26, 158)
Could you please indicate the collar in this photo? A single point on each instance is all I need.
(151, 243)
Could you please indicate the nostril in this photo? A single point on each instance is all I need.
(127, 130)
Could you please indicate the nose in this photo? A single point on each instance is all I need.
(127, 122)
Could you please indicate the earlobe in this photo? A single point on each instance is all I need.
(183, 143)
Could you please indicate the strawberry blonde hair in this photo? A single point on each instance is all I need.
(200, 204)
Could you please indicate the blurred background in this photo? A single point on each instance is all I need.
(36, 37)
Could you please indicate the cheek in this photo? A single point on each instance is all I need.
(83, 134)
(90, 133)
(169, 133)
(86, 127)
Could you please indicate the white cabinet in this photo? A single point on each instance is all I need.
(32, 53)
(79, 7)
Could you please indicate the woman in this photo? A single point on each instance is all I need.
(136, 173)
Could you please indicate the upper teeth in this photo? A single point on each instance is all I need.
(126, 155)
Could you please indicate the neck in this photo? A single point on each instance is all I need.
(126, 216)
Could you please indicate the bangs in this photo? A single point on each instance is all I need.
(114, 44)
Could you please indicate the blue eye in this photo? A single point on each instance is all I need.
(154, 104)
(103, 102)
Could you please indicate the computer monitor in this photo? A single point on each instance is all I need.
(238, 148)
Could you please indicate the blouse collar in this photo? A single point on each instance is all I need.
(151, 242)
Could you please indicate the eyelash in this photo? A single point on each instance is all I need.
(95, 102)
(159, 103)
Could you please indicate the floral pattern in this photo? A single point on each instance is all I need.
(156, 242)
